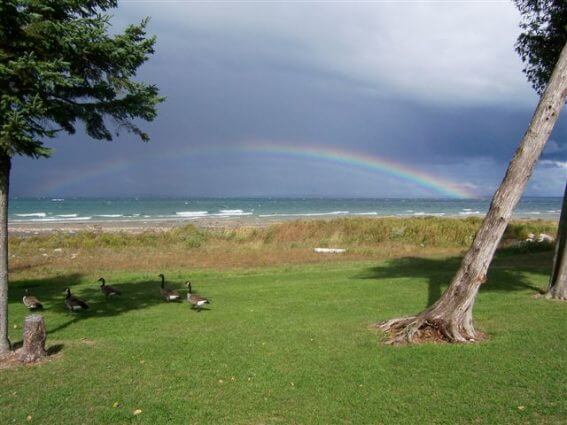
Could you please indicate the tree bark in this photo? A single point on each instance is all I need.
(558, 280)
(5, 165)
(34, 339)
(450, 318)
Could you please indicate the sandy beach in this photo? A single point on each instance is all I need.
(161, 225)
(137, 226)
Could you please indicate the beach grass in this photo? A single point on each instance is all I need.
(248, 246)
(290, 344)
(433, 231)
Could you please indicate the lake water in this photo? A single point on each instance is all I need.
(77, 209)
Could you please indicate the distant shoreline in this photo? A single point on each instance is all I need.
(137, 215)
(22, 228)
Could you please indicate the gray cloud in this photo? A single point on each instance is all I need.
(446, 52)
(435, 86)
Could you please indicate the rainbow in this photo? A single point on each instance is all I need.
(382, 165)
(372, 163)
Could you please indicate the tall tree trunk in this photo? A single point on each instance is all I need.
(558, 281)
(450, 318)
(5, 165)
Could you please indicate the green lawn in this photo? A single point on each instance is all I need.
(291, 345)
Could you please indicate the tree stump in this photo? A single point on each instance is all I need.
(34, 339)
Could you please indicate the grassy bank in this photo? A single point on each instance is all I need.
(284, 243)
(291, 345)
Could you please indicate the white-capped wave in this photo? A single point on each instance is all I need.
(37, 214)
(469, 212)
(67, 215)
(110, 215)
(55, 219)
(57, 200)
(191, 213)
(366, 213)
(305, 214)
(421, 214)
(534, 213)
(232, 213)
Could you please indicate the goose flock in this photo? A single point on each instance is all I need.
(74, 303)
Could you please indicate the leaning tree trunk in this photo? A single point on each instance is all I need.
(558, 281)
(5, 165)
(450, 318)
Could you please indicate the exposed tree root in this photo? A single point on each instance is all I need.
(9, 360)
(549, 295)
(555, 296)
(420, 329)
(13, 358)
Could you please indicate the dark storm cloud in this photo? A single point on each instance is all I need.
(439, 89)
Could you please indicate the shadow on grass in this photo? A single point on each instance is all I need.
(49, 291)
(198, 310)
(135, 296)
(505, 274)
(54, 349)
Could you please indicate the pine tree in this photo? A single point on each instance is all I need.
(60, 65)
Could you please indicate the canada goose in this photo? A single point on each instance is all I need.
(74, 303)
(168, 294)
(108, 290)
(31, 302)
(194, 299)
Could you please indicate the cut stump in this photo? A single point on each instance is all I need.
(33, 348)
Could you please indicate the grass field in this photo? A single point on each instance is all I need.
(290, 344)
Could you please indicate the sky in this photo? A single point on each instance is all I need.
(259, 94)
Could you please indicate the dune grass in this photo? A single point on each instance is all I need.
(290, 344)
(350, 231)
(284, 243)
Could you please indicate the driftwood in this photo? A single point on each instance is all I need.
(329, 250)
(34, 339)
